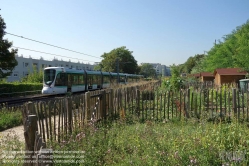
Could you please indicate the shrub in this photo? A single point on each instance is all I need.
(10, 118)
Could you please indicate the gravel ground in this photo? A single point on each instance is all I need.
(19, 131)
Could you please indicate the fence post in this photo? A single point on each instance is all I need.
(234, 101)
(188, 103)
(119, 100)
(69, 114)
(138, 103)
(30, 108)
(87, 101)
(110, 100)
(30, 128)
(103, 104)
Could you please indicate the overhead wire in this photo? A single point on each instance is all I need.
(51, 45)
(50, 53)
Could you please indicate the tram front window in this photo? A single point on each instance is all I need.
(49, 75)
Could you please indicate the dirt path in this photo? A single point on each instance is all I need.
(19, 131)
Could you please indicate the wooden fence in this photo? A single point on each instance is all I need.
(57, 119)
(209, 84)
(208, 104)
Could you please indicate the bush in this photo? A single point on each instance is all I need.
(9, 119)
(19, 87)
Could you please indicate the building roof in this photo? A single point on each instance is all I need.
(206, 74)
(230, 71)
(195, 75)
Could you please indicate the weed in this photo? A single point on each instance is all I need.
(9, 118)
(11, 149)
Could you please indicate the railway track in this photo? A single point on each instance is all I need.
(18, 101)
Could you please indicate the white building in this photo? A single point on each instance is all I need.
(160, 69)
(27, 65)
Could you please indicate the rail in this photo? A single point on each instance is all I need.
(16, 94)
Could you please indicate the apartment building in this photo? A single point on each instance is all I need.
(27, 65)
(162, 70)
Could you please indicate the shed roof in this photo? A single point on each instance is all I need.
(230, 71)
(206, 74)
(196, 75)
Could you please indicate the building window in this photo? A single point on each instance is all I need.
(35, 64)
(26, 64)
(25, 74)
(43, 65)
(15, 74)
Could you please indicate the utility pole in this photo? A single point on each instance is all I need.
(117, 64)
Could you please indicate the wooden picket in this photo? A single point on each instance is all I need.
(57, 119)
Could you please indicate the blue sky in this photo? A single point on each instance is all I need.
(157, 31)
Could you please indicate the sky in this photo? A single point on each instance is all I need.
(157, 31)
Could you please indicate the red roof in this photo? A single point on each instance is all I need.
(196, 75)
(206, 74)
(230, 71)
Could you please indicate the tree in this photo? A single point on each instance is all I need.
(192, 63)
(233, 51)
(241, 55)
(199, 66)
(147, 70)
(34, 77)
(119, 57)
(175, 80)
(7, 57)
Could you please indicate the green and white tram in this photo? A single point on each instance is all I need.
(60, 80)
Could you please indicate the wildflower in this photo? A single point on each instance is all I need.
(109, 151)
(176, 154)
(193, 160)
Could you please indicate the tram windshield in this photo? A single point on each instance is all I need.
(49, 76)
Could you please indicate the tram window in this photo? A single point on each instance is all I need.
(99, 79)
(70, 79)
(96, 79)
(81, 80)
(49, 76)
(106, 79)
(93, 79)
(75, 79)
(60, 79)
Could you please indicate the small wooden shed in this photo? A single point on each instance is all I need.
(228, 75)
(196, 75)
(206, 76)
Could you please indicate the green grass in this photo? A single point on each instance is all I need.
(8, 145)
(171, 143)
(174, 142)
(9, 118)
